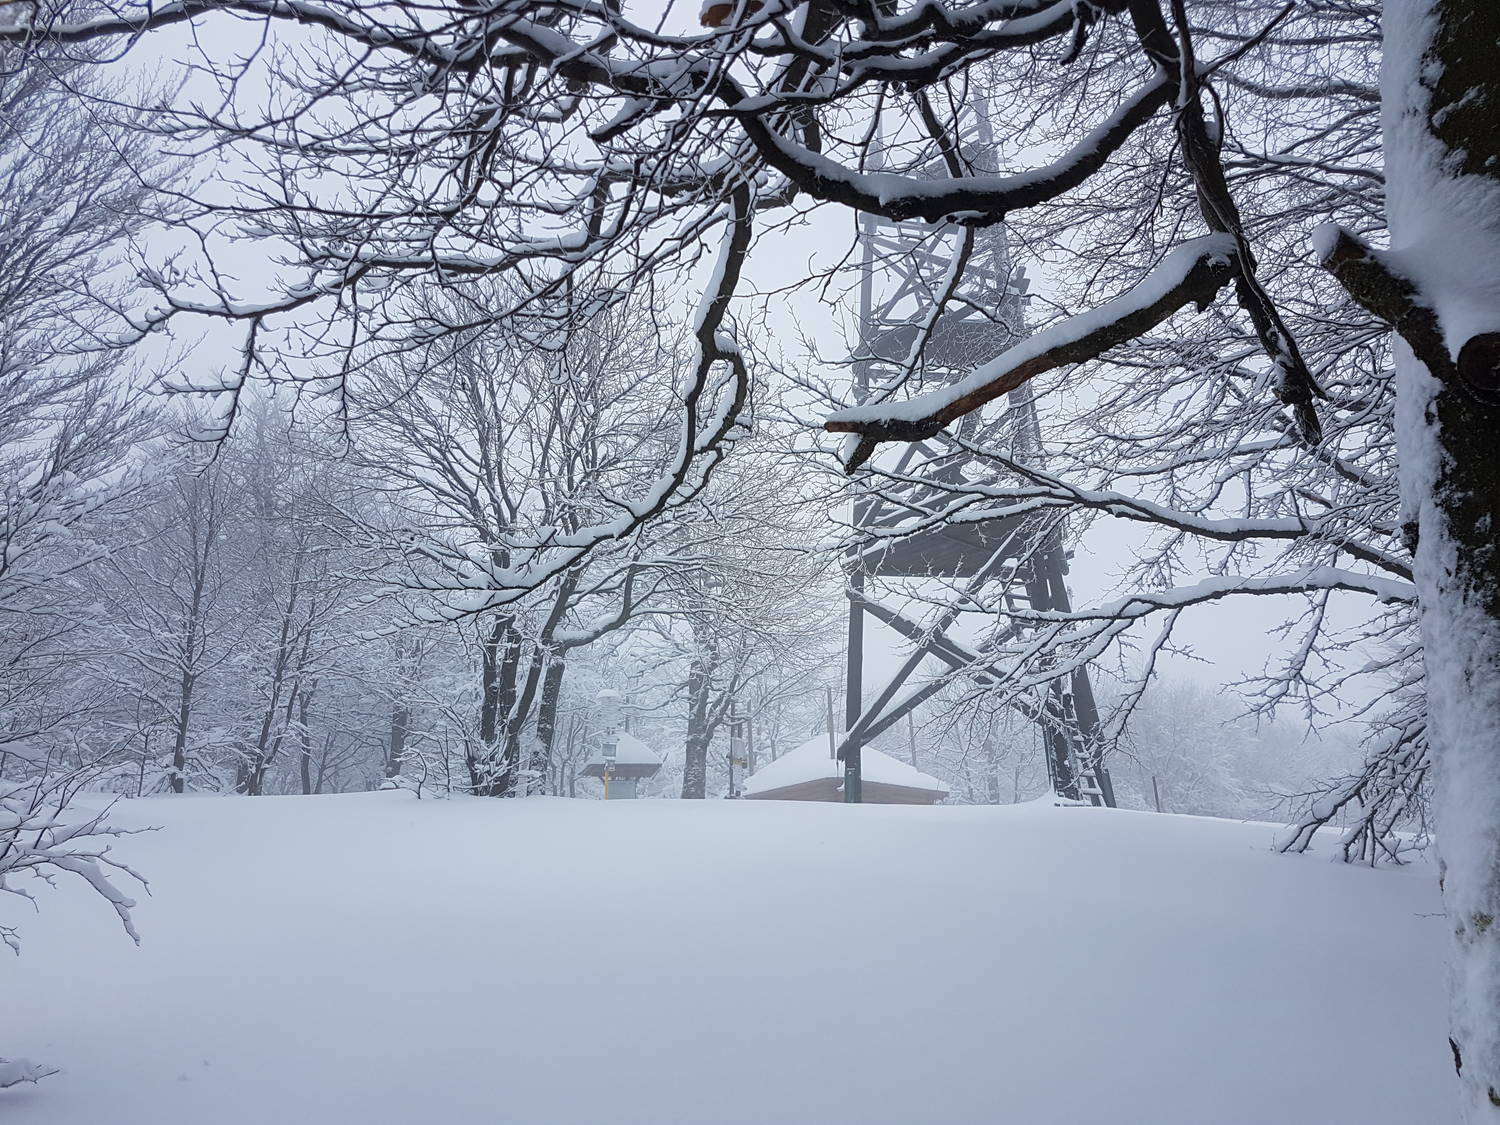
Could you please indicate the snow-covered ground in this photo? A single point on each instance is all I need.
(375, 958)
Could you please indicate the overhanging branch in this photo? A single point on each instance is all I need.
(1191, 274)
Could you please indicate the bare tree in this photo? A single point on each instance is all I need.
(293, 582)
(172, 624)
(69, 431)
(488, 448)
(746, 611)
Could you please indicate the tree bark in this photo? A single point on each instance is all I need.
(190, 650)
(699, 687)
(695, 768)
(991, 768)
(304, 738)
(180, 735)
(408, 656)
(250, 777)
(396, 745)
(546, 719)
(491, 774)
(1441, 88)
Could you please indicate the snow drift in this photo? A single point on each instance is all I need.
(380, 959)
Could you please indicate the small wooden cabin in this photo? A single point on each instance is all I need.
(812, 773)
(621, 762)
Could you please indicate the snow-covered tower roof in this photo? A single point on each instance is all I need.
(811, 773)
(622, 759)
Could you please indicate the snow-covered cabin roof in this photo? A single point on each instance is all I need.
(810, 764)
(633, 758)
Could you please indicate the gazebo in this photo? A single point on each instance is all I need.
(621, 761)
(812, 773)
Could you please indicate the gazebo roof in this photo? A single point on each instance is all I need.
(633, 758)
(809, 773)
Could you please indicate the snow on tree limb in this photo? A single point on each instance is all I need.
(980, 200)
(1214, 589)
(39, 840)
(1048, 492)
(1369, 279)
(150, 17)
(1380, 288)
(1191, 274)
(13, 1072)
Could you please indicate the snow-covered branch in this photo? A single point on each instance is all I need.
(1190, 274)
(41, 837)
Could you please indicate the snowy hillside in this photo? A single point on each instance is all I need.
(377, 959)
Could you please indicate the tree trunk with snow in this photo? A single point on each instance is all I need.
(492, 768)
(546, 721)
(1441, 91)
(204, 520)
(408, 663)
(184, 718)
(395, 756)
(304, 738)
(991, 767)
(699, 732)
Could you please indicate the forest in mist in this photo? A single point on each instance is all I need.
(319, 580)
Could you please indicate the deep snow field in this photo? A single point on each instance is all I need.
(378, 959)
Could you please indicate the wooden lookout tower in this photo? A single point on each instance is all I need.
(935, 302)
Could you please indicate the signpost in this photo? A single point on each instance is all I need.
(741, 753)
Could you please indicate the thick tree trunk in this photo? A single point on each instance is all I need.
(395, 755)
(408, 664)
(304, 738)
(489, 707)
(191, 648)
(991, 768)
(180, 735)
(524, 780)
(1441, 85)
(546, 719)
(492, 771)
(321, 778)
(695, 768)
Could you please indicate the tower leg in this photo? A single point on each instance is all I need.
(1059, 748)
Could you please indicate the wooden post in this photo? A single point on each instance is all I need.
(833, 738)
(854, 689)
(749, 742)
